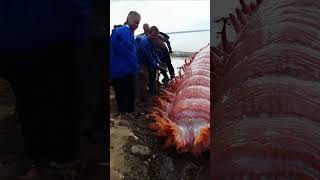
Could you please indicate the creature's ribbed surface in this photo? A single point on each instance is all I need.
(182, 112)
(267, 94)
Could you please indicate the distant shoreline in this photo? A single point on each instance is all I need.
(181, 54)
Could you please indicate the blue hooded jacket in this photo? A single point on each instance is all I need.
(123, 53)
(147, 52)
(29, 24)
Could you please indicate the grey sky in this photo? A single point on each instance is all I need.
(168, 16)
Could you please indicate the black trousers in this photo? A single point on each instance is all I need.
(167, 60)
(124, 88)
(152, 80)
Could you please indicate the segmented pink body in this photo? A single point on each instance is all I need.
(182, 112)
(267, 93)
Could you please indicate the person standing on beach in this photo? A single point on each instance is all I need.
(124, 64)
(148, 60)
(163, 51)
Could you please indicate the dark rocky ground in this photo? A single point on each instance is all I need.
(157, 163)
(148, 160)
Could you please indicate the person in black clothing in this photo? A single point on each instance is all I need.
(165, 36)
(124, 64)
(163, 52)
(161, 48)
(146, 28)
(166, 40)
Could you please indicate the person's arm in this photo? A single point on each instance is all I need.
(150, 59)
(157, 59)
(162, 65)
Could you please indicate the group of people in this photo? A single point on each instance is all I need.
(135, 63)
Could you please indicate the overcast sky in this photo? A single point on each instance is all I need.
(169, 16)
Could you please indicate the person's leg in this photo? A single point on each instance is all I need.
(140, 89)
(156, 82)
(165, 79)
(126, 91)
(132, 94)
(129, 93)
(118, 94)
(167, 61)
(171, 69)
(136, 87)
(122, 94)
(144, 83)
(151, 82)
(154, 76)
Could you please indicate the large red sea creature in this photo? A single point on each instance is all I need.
(182, 111)
(266, 88)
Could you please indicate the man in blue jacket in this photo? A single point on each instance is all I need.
(162, 51)
(124, 63)
(39, 42)
(148, 59)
